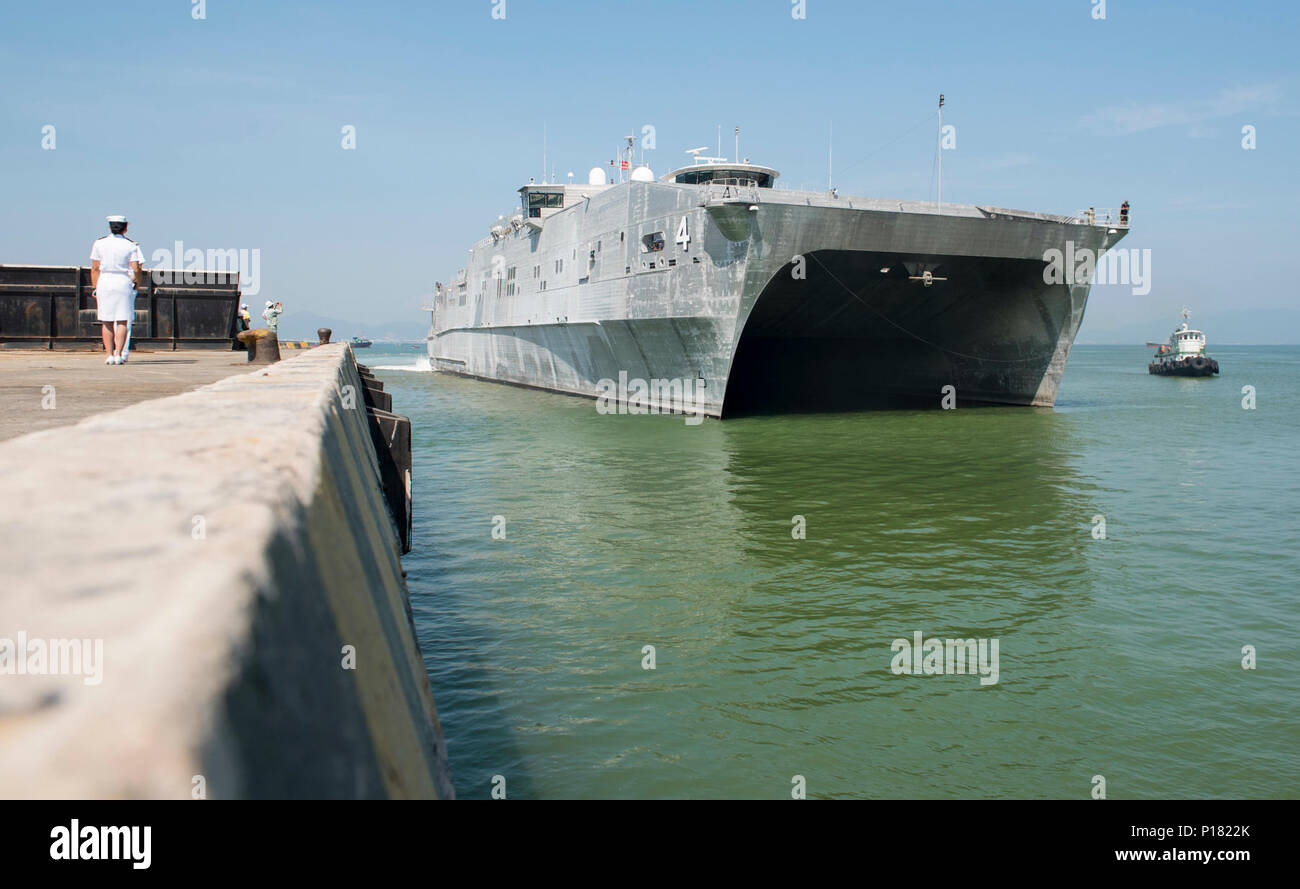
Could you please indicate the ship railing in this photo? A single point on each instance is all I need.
(1104, 216)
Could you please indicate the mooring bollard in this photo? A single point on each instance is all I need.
(324, 334)
(262, 344)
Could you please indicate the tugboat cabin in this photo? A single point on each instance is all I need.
(1187, 341)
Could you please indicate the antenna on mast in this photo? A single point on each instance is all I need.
(737, 144)
(830, 157)
(544, 168)
(719, 140)
(939, 148)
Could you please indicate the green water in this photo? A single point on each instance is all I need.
(1118, 657)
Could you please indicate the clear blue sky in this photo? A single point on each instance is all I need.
(225, 133)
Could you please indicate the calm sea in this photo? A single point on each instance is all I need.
(1119, 657)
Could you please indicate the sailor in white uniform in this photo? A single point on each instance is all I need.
(116, 267)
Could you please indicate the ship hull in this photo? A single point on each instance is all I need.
(574, 359)
(1184, 367)
(854, 336)
(770, 304)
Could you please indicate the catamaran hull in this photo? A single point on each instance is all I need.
(776, 306)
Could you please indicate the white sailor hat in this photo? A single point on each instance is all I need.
(269, 304)
(243, 305)
(117, 219)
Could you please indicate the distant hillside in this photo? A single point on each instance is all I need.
(1246, 326)
(303, 326)
(1263, 327)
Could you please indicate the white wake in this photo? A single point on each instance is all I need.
(421, 364)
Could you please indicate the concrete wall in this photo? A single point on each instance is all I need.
(225, 545)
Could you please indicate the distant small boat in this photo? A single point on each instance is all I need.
(1184, 354)
(361, 343)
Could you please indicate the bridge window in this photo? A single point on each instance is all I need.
(724, 176)
(537, 200)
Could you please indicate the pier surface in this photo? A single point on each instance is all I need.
(84, 385)
(203, 593)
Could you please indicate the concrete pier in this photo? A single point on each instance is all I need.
(82, 385)
(203, 593)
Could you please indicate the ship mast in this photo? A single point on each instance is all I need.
(939, 148)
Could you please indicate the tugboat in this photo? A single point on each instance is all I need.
(360, 342)
(1184, 354)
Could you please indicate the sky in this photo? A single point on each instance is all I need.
(227, 131)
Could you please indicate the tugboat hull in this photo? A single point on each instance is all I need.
(1197, 366)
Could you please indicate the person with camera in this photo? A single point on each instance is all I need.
(271, 314)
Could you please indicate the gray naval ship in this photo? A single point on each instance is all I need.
(714, 291)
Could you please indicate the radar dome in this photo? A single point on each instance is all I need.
(596, 176)
(642, 174)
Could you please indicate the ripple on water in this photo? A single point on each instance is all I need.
(1118, 656)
